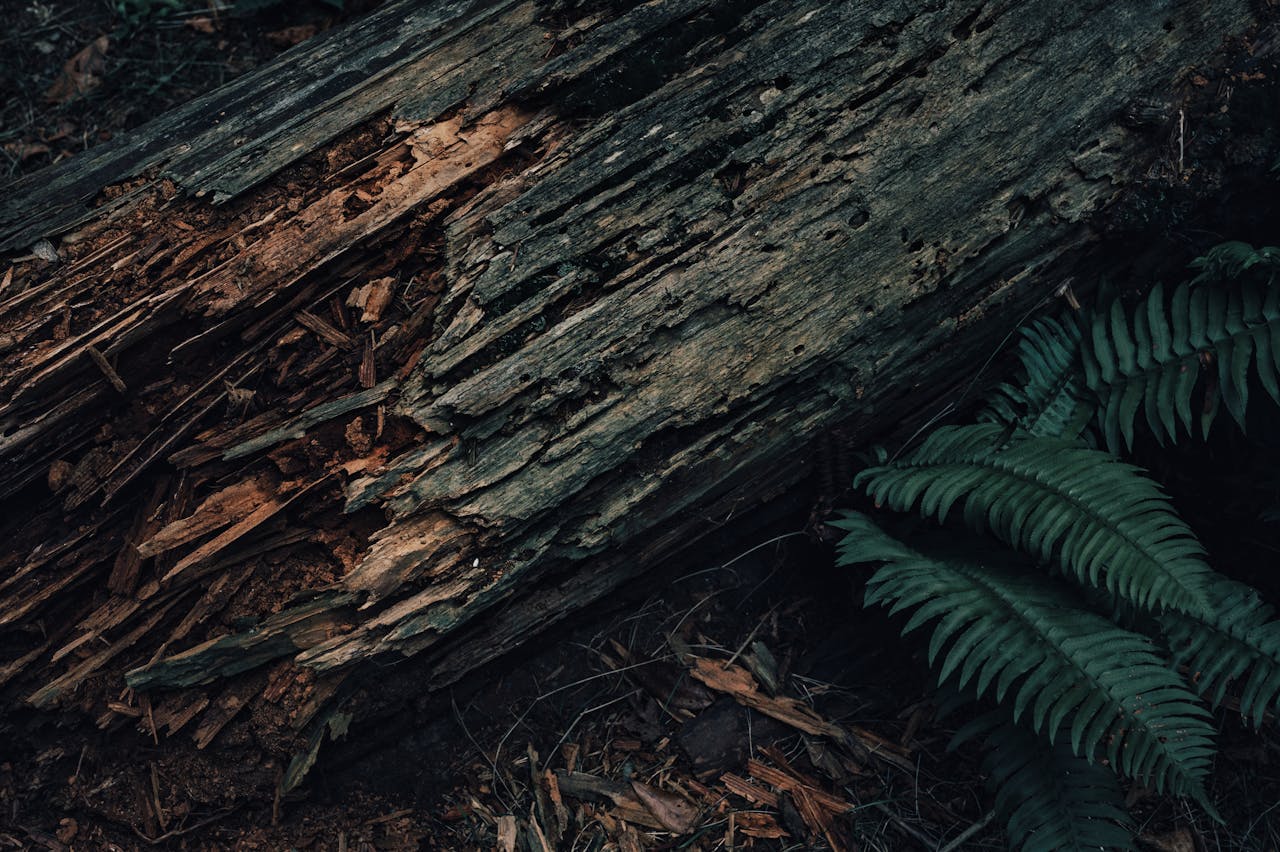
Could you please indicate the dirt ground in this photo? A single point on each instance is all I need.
(814, 730)
(75, 73)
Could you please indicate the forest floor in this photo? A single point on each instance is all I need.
(743, 699)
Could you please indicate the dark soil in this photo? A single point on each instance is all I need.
(157, 54)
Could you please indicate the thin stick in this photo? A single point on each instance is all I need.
(588, 712)
(178, 832)
(1182, 139)
(493, 763)
(902, 825)
(502, 742)
(744, 554)
(964, 836)
(105, 366)
(754, 630)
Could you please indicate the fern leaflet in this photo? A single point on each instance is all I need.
(1051, 798)
(1233, 259)
(1018, 632)
(1240, 642)
(1048, 398)
(1099, 519)
(1153, 361)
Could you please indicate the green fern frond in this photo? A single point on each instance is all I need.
(1021, 633)
(1233, 259)
(1238, 644)
(1049, 397)
(1101, 520)
(1052, 800)
(1153, 361)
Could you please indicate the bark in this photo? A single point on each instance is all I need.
(445, 325)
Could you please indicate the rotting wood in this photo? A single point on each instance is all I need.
(463, 332)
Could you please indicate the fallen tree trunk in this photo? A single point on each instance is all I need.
(440, 328)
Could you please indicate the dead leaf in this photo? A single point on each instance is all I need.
(202, 24)
(26, 150)
(675, 814)
(628, 805)
(289, 36)
(1178, 840)
(81, 72)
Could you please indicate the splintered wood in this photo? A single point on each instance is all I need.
(200, 313)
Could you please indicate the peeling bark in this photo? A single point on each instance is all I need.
(443, 327)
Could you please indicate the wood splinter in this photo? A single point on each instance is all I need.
(107, 370)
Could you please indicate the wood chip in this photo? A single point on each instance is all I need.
(377, 297)
(176, 711)
(192, 564)
(218, 510)
(753, 793)
(756, 824)
(789, 784)
(323, 330)
(538, 838)
(127, 567)
(368, 368)
(225, 708)
(507, 833)
(559, 810)
(629, 839)
(675, 814)
(52, 692)
(738, 682)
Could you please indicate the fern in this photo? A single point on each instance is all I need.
(1097, 518)
(1068, 662)
(1234, 259)
(1153, 361)
(1020, 634)
(1238, 644)
(1049, 397)
(1051, 798)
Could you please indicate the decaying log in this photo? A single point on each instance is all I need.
(446, 324)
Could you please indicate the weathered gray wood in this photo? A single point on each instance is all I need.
(232, 138)
(899, 179)
(726, 227)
